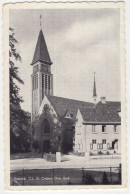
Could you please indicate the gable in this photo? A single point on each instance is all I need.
(79, 118)
(44, 102)
(62, 105)
(68, 115)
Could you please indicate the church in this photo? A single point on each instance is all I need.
(68, 125)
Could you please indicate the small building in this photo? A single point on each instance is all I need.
(98, 129)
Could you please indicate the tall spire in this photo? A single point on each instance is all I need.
(41, 52)
(94, 90)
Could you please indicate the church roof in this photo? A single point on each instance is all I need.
(107, 112)
(62, 105)
(41, 52)
(102, 112)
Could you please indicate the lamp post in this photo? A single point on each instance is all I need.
(58, 154)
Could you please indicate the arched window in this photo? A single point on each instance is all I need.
(46, 126)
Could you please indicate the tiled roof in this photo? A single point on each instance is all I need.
(62, 105)
(102, 112)
(41, 51)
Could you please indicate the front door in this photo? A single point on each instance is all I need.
(46, 146)
(114, 142)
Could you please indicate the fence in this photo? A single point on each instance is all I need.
(67, 176)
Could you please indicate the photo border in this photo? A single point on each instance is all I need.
(63, 5)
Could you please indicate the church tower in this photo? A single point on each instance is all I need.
(42, 79)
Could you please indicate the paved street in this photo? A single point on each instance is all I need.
(71, 161)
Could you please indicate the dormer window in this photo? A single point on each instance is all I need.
(68, 115)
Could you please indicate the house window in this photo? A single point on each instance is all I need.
(91, 146)
(93, 141)
(79, 144)
(115, 128)
(93, 129)
(103, 128)
(108, 145)
(104, 141)
(101, 146)
(98, 146)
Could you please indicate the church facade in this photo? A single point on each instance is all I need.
(61, 124)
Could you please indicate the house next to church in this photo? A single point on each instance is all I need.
(61, 124)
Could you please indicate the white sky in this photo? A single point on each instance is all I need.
(79, 42)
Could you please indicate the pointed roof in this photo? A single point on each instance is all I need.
(41, 52)
(63, 105)
(94, 88)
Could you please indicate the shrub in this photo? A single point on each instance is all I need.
(79, 153)
(88, 179)
(50, 157)
(105, 180)
(90, 153)
(35, 145)
(107, 153)
(100, 152)
(119, 174)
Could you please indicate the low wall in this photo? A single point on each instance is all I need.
(112, 156)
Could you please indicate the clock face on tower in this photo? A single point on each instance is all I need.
(44, 68)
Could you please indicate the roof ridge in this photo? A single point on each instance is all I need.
(70, 99)
(113, 101)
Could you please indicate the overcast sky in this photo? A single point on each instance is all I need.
(80, 42)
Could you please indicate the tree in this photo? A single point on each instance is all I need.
(19, 119)
(14, 56)
(88, 179)
(67, 136)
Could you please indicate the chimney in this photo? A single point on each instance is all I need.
(103, 99)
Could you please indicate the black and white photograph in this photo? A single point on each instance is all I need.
(65, 96)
